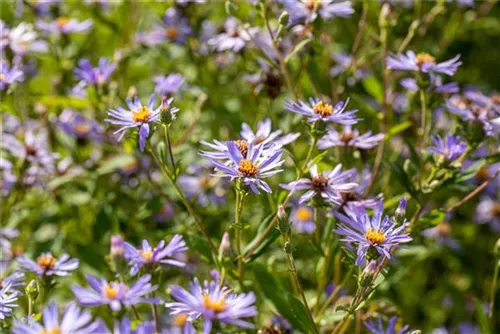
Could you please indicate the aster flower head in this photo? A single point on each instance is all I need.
(318, 110)
(8, 299)
(15, 280)
(442, 235)
(233, 38)
(213, 303)
(251, 168)
(138, 116)
(114, 294)
(327, 185)
(302, 218)
(9, 75)
(175, 28)
(422, 62)
(23, 39)
(6, 235)
(349, 137)
(168, 84)
(95, 75)
(200, 185)
(264, 135)
(451, 148)
(73, 320)
(378, 328)
(373, 236)
(48, 265)
(488, 212)
(160, 255)
(76, 125)
(124, 326)
(64, 25)
(304, 11)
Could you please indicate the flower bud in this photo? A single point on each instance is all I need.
(400, 214)
(116, 250)
(32, 290)
(166, 116)
(368, 274)
(283, 221)
(384, 14)
(225, 246)
(283, 19)
(231, 8)
(288, 248)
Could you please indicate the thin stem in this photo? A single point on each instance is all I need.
(240, 196)
(493, 290)
(335, 293)
(318, 229)
(166, 128)
(186, 203)
(136, 314)
(155, 318)
(30, 306)
(473, 193)
(423, 116)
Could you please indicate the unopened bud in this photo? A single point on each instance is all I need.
(32, 290)
(116, 249)
(283, 221)
(368, 274)
(225, 246)
(166, 116)
(283, 19)
(496, 249)
(132, 91)
(384, 13)
(230, 7)
(288, 247)
(400, 214)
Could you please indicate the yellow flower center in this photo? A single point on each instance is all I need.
(180, 319)
(215, 305)
(374, 237)
(304, 214)
(323, 109)
(243, 146)
(46, 261)
(141, 114)
(424, 57)
(111, 290)
(446, 152)
(172, 32)
(2, 77)
(81, 129)
(56, 330)
(247, 168)
(147, 255)
(61, 22)
(319, 183)
(312, 4)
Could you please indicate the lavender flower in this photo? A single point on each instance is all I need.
(168, 84)
(180, 324)
(114, 294)
(95, 75)
(73, 320)
(321, 111)
(265, 136)
(422, 62)
(442, 235)
(175, 28)
(451, 148)
(8, 300)
(138, 116)
(166, 213)
(76, 125)
(327, 185)
(9, 75)
(308, 10)
(436, 85)
(488, 212)
(252, 167)
(125, 327)
(15, 280)
(391, 327)
(349, 137)
(344, 63)
(48, 265)
(6, 234)
(213, 303)
(373, 236)
(64, 25)
(160, 255)
(198, 184)
(302, 218)
(234, 38)
(23, 39)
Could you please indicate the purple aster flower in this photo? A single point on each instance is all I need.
(138, 116)
(488, 212)
(48, 265)
(64, 25)
(15, 280)
(343, 63)
(9, 75)
(436, 85)
(356, 197)
(265, 136)
(321, 111)
(264, 42)
(234, 38)
(179, 324)
(451, 148)
(73, 320)
(168, 84)
(76, 125)
(373, 236)
(198, 184)
(422, 62)
(305, 11)
(175, 28)
(349, 137)
(114, 294)
(166, 213)
(6, 234)
(23, 39)
(442, 235)
(9, 176)
(327, 185)
(267, 79)
(391, 327)
(160, 255)
(125, 327)
(95, 75)
(8, 300)
(302, 218)
(213, 303)
(252, 168)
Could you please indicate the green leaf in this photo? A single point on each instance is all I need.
(430, 219)
(54, 101)
(397, 129)
(201, 246)
(404, 179)
(115, 163)
(470, 172)
(316, 160)
(482, 319)
(271, 236)
(286, 304)
(297, 48)
(374, 88)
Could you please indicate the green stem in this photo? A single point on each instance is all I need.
(423, 121)
(317, 232)
(335, 293)
(493, 289)
(166, 129)
(240, 196)
(155, 317)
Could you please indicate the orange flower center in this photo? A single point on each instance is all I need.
(215, 305)
(180, 319)
(323, 109)
(81, 129)
(56, 330)
(61, 22)
(46, 261)
(172, 32)
(111, 290)
(374, 237)
(304, 214)
(424, 57)
(243, 146)
(141, 114)
(2, 77)
(247, 168)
